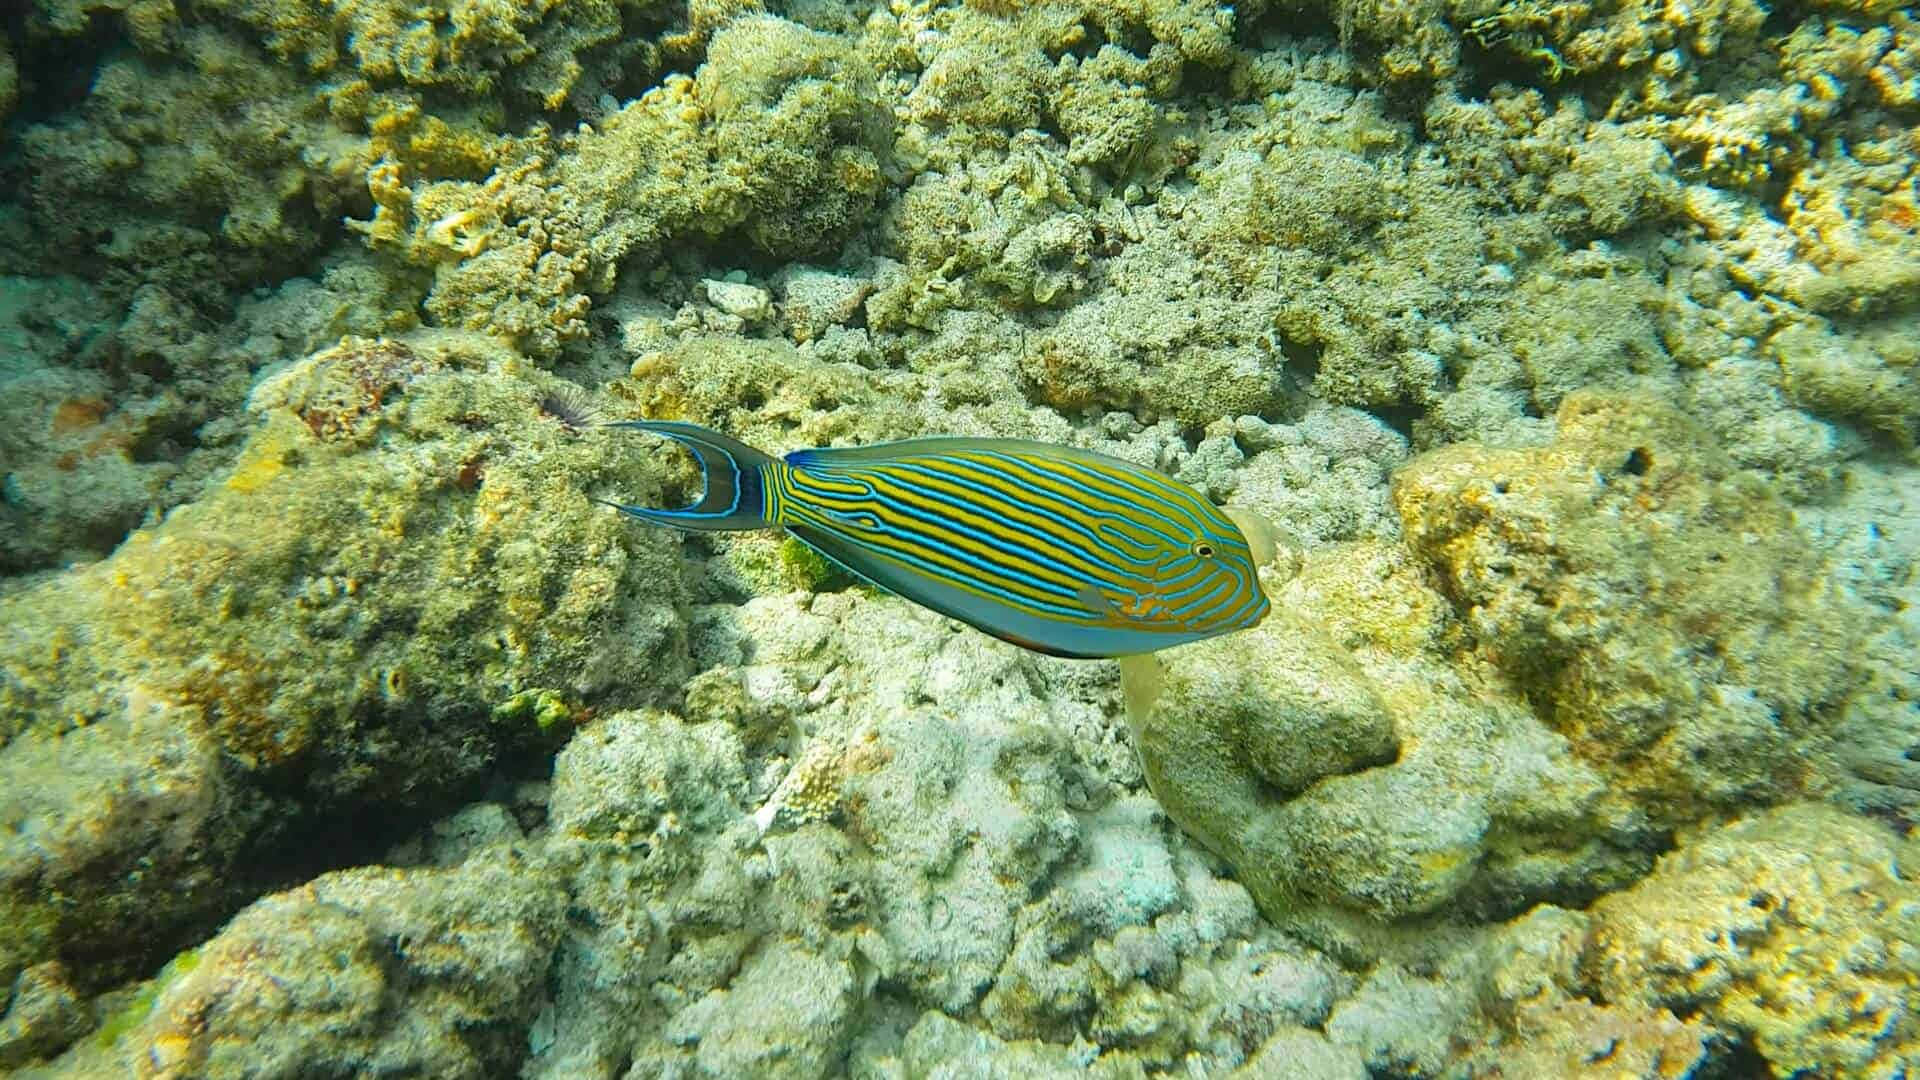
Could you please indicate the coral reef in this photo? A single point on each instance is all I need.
(1374, 784)
(1569, 350)
(373, 970)
(1324, 477)
(43, 1015)
(777, 140)
(258, 184)
(9, 79)
(1663, 609)
(531, 53)
(129, 417)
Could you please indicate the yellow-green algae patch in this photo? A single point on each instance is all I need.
(137, 1006)
(547, 709)
(1796, 928)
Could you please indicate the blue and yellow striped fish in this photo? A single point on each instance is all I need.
(1062, 551)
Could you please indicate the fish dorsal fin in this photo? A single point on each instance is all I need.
(944, 444)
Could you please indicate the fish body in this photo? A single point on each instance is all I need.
(1058, 550)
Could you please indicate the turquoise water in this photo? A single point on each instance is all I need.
(1565, 354)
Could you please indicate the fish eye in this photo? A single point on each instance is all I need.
(1202, 549)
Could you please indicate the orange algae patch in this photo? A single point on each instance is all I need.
(77, 413)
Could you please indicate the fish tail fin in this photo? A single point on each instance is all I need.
(733, 479)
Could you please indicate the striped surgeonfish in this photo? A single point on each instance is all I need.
(1062, 551)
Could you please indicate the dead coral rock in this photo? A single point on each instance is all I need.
(43, 1014)
(137, 796)
(1795, 929)
(371, 971)
(788, 1014)
(778, 138)
(529, 53)
(339, 623)
(9, 81)
(813, 299)
(1544, 1024)
(1353, 778)
(766, 392)
(1664, 611)
(1295, 710)
(220, 140)
(1578, 1038)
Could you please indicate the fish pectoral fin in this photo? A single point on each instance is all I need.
(1129, 610)
(1097, 602)
(859, 521)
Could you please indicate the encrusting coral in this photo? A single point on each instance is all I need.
(1418, 789)
(533, 52)
(260, 173)
(1795, 928)
(429, 971)
(9, 80)
(119, 418)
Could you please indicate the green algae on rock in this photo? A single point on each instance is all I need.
(1420, 789)
(1273, 250)
(531, 52)
(9, 79)
(122, 415)
(219, 143)
(428, 971)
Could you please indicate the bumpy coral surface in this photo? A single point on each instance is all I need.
(258, 172)
(1664, 610)
(1351, 779)
(367, 970)
(118, 419)
(9, 80)
(330, 630)
(1795, 928)
(774, 141)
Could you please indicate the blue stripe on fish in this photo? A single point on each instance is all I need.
(1059, 550)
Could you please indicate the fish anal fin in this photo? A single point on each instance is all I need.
(1141, 678)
